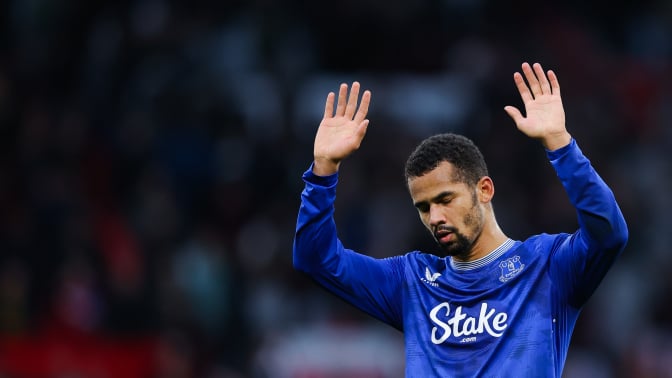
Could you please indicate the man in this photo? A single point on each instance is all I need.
(491, 306)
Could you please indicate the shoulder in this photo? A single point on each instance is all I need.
(544, 242)
(423, 257)
(416, 259)
(544, 239)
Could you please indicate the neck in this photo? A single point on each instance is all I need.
(490, 238)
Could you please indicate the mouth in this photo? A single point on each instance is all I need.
(444, 236)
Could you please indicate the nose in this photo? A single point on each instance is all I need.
(436, 216)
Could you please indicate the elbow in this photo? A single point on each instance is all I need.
(301, 260)
(299, 264)
(314, 252)
(621, 235)
(618, 237)
(607, 233)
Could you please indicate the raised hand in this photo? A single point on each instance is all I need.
(545, 115)
(340, 132)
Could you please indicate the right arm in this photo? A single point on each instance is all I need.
(372, 285)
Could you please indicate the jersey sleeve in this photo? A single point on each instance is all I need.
(372, 285)
(581, 260)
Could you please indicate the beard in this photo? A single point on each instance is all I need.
(461, 245)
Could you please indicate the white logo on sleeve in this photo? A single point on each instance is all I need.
(461, 325)
(430, 278)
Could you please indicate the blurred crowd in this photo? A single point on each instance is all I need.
(151, 161)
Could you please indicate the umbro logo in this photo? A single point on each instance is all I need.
(430, 278)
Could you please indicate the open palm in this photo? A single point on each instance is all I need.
(545, 115)
(341, 132)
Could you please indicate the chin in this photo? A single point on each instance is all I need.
(450, 250)
(460, 250)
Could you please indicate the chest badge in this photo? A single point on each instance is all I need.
(510, 268)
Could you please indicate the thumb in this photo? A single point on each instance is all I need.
(361, 130)
(514, 113)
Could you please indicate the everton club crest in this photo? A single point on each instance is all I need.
(510, 268)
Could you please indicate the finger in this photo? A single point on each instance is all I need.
(340, 105)
(543, 81)
(514, 113)
(531, 80)
(361, 130)
(329, 106)
(555, 84)
(363, 107)
(352, 100)
(523, 89)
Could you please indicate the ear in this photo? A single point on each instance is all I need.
(485, 189)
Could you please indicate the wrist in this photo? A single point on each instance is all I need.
(556, 141)
(325, 167)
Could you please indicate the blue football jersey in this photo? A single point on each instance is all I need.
(508, 314)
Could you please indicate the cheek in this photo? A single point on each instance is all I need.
(474, 218)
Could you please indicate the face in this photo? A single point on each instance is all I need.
(450, 209)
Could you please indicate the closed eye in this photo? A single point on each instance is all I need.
(422, 207)
(443, 198)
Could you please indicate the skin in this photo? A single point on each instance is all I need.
(459, 216)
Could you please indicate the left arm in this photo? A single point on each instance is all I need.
(583, 258)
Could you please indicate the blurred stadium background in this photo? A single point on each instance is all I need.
(151, 161)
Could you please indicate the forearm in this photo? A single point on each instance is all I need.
(315, 238)
(600, 219)
(367, 283)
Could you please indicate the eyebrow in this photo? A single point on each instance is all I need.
(436, 198)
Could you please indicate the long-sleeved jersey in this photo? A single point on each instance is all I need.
(508, 314)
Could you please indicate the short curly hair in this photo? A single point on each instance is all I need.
(456, 149)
